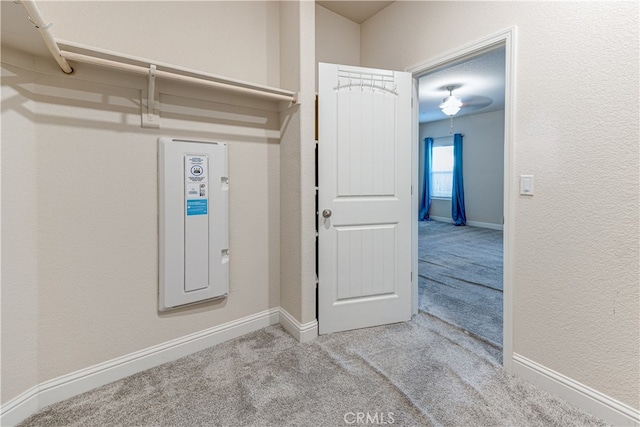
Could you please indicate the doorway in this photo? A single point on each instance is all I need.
(460, 267)
(503, 41)
(373, 82)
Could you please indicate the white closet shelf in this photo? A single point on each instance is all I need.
(64, 50)
(72, 51)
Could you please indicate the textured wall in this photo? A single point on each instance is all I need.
(19, 325)
(297, 62)
(483, 164)
(337, 38)
(576, 302)
(81, 274)
(238, 39)
(307, 160)
(290, 189)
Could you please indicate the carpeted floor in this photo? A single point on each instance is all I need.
(460, 277)
(426, 372)
(420, 373)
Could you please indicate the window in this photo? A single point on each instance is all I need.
(442, 171)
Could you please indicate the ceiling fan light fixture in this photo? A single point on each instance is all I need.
(451, 104)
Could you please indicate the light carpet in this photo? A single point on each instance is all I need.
(424, 372)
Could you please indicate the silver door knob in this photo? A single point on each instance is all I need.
(326, 213)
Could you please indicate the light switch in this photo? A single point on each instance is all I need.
(526, 185)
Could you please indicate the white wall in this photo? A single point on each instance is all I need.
(93, 240)
(97, 212)
(228, 38)
(298, 285)
(19, 355)
(337, 38)
(482, 166)
(576, 294)
(80, 245)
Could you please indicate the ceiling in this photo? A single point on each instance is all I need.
(478, 82)
(357, 11)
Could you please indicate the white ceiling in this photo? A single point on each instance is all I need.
(357, 11)
(478, 82)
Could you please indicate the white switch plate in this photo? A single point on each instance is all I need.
(526, 185)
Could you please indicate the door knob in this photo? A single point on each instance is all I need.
(326, 213)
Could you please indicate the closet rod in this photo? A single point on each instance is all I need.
(137, 69)
(33, 12)
(203, 79)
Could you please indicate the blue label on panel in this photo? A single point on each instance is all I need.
(197, 207)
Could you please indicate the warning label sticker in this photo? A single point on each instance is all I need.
(195, 190)
(195, 168)
(197, 207)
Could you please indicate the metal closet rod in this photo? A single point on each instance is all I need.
(203, 79)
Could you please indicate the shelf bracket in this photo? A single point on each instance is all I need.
(150, 116)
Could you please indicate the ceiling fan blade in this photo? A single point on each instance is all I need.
(476, 101)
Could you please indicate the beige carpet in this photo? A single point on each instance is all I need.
(420, 373)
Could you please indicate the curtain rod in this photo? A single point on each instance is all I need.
(146, 67)
(445, 136)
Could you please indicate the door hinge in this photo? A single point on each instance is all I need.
(412, 277)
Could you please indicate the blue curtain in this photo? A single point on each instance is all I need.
(425, 201)
(458, 214)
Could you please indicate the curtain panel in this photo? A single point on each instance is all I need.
(425, 199)
(458, 213)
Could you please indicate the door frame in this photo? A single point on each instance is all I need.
(506, 38)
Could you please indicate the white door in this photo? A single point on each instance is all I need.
(364, 197)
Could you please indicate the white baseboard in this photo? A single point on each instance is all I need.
(470, 223)
(610, 410)
(19, 408)
(302, 333)
(441, 219)
(485, 225)
(66, 386)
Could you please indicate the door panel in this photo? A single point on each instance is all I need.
(358, 248)
(364, 171)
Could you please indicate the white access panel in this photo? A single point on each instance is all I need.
(193, 188)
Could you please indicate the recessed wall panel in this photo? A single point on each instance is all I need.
(366, 142)
(357, 249)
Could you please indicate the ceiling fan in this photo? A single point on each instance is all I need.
(452, 104)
